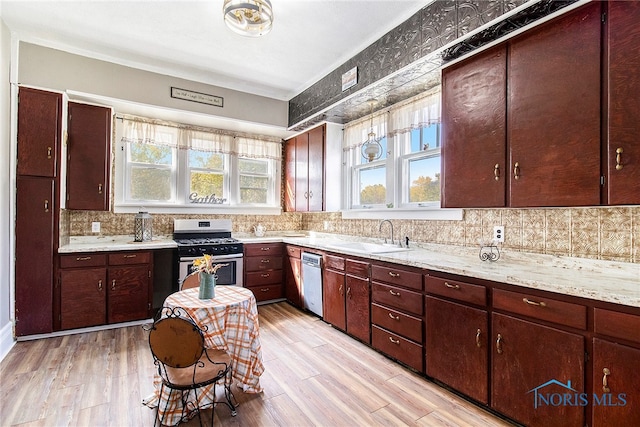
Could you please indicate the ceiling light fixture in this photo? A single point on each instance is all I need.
(371, 148)
(252, 18)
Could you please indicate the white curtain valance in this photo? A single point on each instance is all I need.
(185, 137)
(418, 112)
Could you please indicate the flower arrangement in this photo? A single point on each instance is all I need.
(206, 265)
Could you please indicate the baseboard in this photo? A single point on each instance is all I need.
(6, 339)
(84, 330)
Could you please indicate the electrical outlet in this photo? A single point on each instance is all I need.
(498, 233)
(95, 227)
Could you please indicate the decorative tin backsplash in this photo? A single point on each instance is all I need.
(598, 233)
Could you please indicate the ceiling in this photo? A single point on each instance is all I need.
(188, 39)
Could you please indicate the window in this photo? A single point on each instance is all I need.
(178, 168)
(407, 176)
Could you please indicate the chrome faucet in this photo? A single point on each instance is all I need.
(390, 226)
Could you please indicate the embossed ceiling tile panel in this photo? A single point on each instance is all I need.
(439, 25)
(585, 242)
(586, 219)
(405, 44)
(474, 14)
(509, 5)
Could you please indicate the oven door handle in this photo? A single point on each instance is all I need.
(215, 257)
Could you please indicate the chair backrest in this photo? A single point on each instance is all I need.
(175, 341)
(191, 281)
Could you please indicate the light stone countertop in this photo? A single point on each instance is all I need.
(608, 281)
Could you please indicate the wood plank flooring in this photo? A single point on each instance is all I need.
(314, 376)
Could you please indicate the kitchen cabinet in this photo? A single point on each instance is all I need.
(474, 133)
(334, 310)
(304, 171)
(293, 280)
(39, 132)
(346, 296)
(550, 152)
(37, 210)
(397, 314)
(616, 379)
(35, 249)
(88, 157)
(103, 288)
(457, 336)
(532, 361)
(263, 270)
(623, 107)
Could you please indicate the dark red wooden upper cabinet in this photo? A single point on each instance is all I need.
(623, 103)
(39, 130)
(88, 157)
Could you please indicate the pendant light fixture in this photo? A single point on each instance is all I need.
(251, 18)
(371, 148)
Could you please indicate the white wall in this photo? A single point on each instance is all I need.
(6, 228)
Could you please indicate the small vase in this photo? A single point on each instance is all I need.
(207, 286)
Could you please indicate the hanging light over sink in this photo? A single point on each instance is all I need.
(371, 148)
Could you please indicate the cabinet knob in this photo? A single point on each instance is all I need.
(100, 284)
(532, 302)
(394, 341)
(349, 292)
(113, 285)
(496, 172)
(99, 188)
(46, 206)
(395, 294)
(340, 290)
(265, 248)
(264, 261)
(605, 385)
(264, 289)
(49, 151)
(310, 194)
(450, 286)
(516, 170)
(394, 317)
(392, 274)
(265, 275)
(478, 333)
(619, 152)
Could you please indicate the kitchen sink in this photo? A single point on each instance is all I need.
(367, 248)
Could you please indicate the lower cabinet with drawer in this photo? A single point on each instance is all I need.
(397, 314)
(105, 287)
(263, 270)
(456, 337)
(533, 363)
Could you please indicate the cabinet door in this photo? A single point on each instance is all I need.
(532, 363)
(290, 175)
(39, 129)
(293, 284)
(457, 347)
(316, 169)
(333, 307)
(474, 139)
(128, 293)
(616, 366)
(302, 173)
(553, 112)
(35, 219)
(358, 308)
(88, 155)
(83, 300)
(623, 145)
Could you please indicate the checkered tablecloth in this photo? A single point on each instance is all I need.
(229, 322)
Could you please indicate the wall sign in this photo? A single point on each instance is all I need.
(350, 78)
(202, 98)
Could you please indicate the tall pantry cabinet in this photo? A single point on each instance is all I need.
(37, 210)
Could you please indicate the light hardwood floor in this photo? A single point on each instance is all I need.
(314, 376)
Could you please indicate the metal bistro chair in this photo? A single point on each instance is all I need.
(191, 281)
(184, 364)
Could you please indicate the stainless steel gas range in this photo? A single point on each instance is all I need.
(197, 237)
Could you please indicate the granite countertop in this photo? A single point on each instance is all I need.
(609, 281)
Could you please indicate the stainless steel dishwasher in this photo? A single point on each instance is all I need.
(312, 282)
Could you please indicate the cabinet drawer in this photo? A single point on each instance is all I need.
(124, 258)
(266, 292)
(357, 268)
(461, 291)
(395, 321)
(563, 313)
(293, 251)
(399, 348)
(259, 278)
(399, 298)
(83, 260)
(263, 263)
(262, 249)
(397, 276)
(334, 262)
(618, 325)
